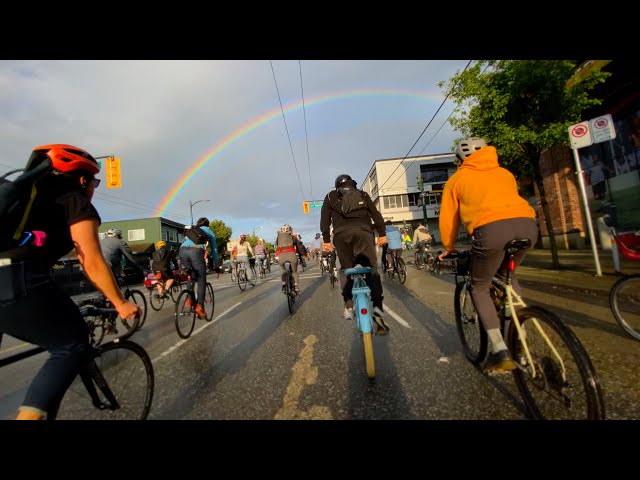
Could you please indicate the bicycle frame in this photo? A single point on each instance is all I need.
(361, 298)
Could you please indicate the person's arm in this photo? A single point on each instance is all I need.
(449, 221)
(126, 250)
(84, 235)
(214, 246)
(376, 216)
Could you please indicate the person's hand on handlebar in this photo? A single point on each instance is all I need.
(445, 254)
(128, 309)
(382, 241)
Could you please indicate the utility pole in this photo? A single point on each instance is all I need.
(424, 207)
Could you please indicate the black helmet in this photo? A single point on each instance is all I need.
(202, 222)
(341, 179)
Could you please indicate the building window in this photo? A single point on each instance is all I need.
(173, 237)
(414, 200)
(395, 201)
(135, 235)
(434, 174)
(165, 237)
(180, 238)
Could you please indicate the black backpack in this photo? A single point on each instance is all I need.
(16, 199)
(196, 235)
(352, 203)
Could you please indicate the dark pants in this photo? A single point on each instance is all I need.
(49, 318)
(356, 246)
(385, 263)
(488, 257)
(193, 259)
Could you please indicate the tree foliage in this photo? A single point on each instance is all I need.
(222, 233)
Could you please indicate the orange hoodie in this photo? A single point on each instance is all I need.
(480, 192)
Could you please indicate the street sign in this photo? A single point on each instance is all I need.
(580, 135)
(315, 204)
(305, 207)
(602, 129)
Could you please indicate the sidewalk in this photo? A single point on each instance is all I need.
(577, 269)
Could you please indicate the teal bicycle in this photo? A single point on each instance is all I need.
(363, 309)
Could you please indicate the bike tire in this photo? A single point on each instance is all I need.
(175, 290)
(185, 313)
(155, 301)
(431, 262)
(402, 271)
(624, 301)
(332, 279)
(289, 293)
(96, 328)
(114, 362)
(242, 280)
(137, 297)
(418, 261)
(209, 302)
(234, 275)
(471, 333)
(368, 355)
(391, 270)
(254, 277)
(547, 395)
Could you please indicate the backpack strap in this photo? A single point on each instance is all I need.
(27, 210)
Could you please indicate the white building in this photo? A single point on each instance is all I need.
(393, 186)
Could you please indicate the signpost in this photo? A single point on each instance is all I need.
(307, 205)
(583, 134)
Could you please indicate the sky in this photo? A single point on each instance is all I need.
(187, 131)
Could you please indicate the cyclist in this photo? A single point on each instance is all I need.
(45, 315)
(260, 252)
(484, 196)
(192, 257)
(394, 239)
(354, 240)
(114, 248)
(161, 261)
(244, 252)
(302, 251)
(287, 250)
(422, 238)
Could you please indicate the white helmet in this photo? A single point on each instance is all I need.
(114, 232)
(286, 228)
(469, 146)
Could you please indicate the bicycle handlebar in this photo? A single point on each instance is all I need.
(88, 310)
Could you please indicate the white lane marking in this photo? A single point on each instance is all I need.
(184, 340)
(300, 275)
(397, 317)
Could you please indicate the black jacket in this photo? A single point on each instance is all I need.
(331, 215)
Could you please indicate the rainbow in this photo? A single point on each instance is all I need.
(276, 113)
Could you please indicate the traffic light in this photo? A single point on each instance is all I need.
(305, 207)
(113, 173)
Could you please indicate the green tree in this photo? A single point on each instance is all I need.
(252, 239)
(222, 233)
(522, 107)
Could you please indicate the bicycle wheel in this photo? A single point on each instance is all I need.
(234, 275)
(185, 314)
(549, 395)
(137, 297)
(368, 355)
(624, 300)
(122, 371)
(472, 334)
(289, 292)
(242, 280)
(332, 279)
(175, 290)
(391, 269)
(418, 261)
(402, 271)
(209, 302)
(155, 300)
(431, 261)
(96, 328)
(254, 277)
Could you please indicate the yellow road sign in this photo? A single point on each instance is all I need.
(305, 207)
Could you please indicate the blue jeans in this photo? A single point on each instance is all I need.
(49, 318)
(193, 259)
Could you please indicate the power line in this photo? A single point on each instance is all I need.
(304, 111)
(425, 129)
(287, 129)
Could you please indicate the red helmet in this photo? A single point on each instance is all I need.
(65, 158)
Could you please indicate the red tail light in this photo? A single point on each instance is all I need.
(363, 311)
(512, 265)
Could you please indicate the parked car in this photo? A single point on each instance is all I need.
(226, 266)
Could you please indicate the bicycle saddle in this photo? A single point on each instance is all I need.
(357, 269)
(516, 245)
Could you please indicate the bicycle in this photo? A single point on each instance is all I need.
(155, 299)
(363, 310)
(262, 270)
(424, 256)
(243, 279)
(289, 286)
(554, 376)
(98, 392)
(624, 297)
(103, 323)
(396, 265)
(185, 313)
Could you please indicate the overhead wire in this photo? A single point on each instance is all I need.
(287, 129)
(306, 135)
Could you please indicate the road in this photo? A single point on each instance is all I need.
(256, 361)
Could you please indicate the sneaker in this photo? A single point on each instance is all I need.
(284, 290)
(348, 313)
(381, 327)
(200, 311)
(296, 290)
(499, 362)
